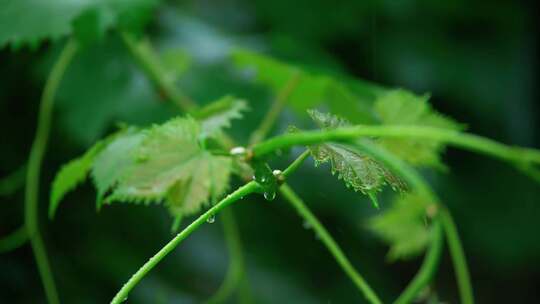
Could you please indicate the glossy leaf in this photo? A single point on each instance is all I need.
(359, 171)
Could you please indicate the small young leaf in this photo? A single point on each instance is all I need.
(218, 115)
(209, 178)
(400, 107)
(358, 171)
(403, 227)
(112, 162)
(169, 164)
(72, 174)
(327, 120)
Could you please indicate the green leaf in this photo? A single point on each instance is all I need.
(327, 120)
(400, 107)
(359, 171)
(205, 180)
(403, 227)
(25, 22)
(122, 94)
(72, 174)
(90, 26)
(169, 165)
(218, 115)
(112, 162)
(347, 98)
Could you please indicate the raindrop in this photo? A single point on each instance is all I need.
(211, 219)
(269, 195)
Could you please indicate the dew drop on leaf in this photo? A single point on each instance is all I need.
(211, 219)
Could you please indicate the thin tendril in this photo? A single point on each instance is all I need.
(34, 167)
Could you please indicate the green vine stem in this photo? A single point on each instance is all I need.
(249, 188)
(521, 157)
(428, 268)
(34, 168)
(329, 242)
(237, 195)
(14, 240)
(236, 266)
(275, 109)
(442, 214)
(458, 257)
(149, 61)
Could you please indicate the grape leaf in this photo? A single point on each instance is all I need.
(25, 22)
(350, 99)
(112, 162)
(359, 171)
(170, 165)
(403, 227)
(399, 107)
(218, 115)
(72, 174)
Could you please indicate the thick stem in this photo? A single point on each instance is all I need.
(330, 244)
(236, 264)
(428, 268)
(521, 157)
(148, 60)
(275, 109)
(34, 168)
(237, 195)
(458, 258)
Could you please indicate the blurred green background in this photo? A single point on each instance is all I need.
(477, 58)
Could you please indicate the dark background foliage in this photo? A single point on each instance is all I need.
(477, 58)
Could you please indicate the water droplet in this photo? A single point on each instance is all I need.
(306, 225)
(211, 219)
(270, 195)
